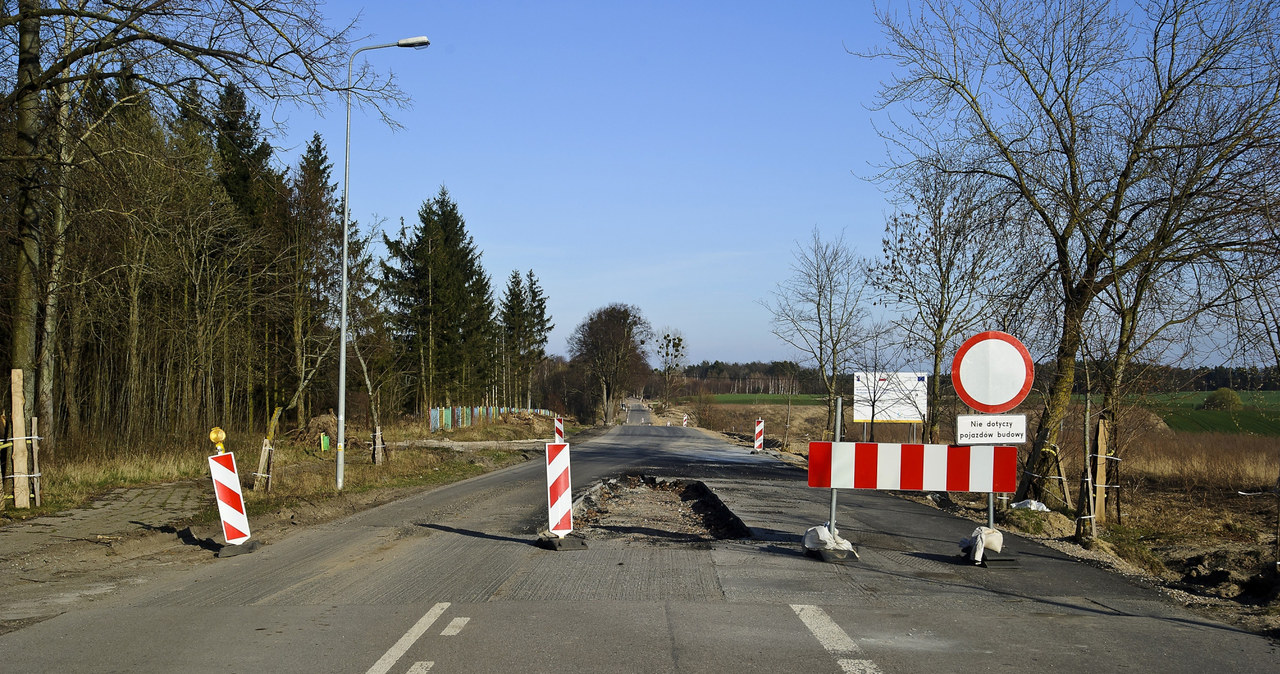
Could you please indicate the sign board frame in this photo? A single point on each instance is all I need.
(897, 397)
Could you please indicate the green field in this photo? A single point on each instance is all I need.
(1260, 416)
(1262, 400)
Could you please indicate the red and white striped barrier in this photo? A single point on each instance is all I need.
(559, 497)
(759, 434)
(226, 487)
(559, 430)
(911, 467)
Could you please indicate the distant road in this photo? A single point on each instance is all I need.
(637, 413)
(449, 581)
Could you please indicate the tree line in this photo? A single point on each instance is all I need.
(168, 273)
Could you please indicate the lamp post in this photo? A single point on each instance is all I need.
(420, 42)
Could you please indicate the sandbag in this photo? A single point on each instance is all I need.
(821, 538)
(982, 538)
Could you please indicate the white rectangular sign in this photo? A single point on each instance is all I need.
(889, 396)
(988, 429)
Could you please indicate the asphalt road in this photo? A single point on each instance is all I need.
(450, 581)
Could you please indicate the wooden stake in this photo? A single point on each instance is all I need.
(275, 421)
(1062, 478)
(1100, 472)
(379, 450)
(262, 479)
(1086, 526)
(21, 460)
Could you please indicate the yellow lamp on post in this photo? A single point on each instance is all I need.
(216, 436)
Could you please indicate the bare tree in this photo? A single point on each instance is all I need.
(610, 343)
(819, 311)
(945, 264)
(875, 361)
(1146, 130)
(1257, 313)
(671, 357)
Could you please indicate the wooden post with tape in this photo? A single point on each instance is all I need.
(21, 459)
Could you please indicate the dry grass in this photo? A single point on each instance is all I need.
(78, 472)
(1206, 460)
(302, 475)
(301, 472)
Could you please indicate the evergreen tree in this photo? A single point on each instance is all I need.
(442, 305)
(525, 326)
(314, 247)
(243, 152)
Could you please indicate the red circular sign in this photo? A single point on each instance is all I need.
(992, 372)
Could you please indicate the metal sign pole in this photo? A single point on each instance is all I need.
(831, 523)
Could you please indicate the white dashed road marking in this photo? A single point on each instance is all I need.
(393, 654)
(454, 627)
(834, 640)
(421, 667)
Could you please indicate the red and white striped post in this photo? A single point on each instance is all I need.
(559, 496)
(759, 434)
(559, 431)
(226, 487)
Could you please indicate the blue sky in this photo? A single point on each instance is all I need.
(666, 155)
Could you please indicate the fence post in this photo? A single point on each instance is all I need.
(379, 449)
(21, 459)
(262, 478)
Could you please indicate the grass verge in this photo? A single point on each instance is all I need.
(1131, 544)
(301, 473)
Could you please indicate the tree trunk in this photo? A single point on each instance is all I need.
(27, 247)
(934, 396)
(133, 366)
(1031, 482)
(71, 366)
(604, 395)
(53, 287)
(528, 391)
(300, 361)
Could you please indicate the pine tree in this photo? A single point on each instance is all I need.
(515, 328)
(525, 326)
(540, 327)
(313, 245)
(442, 305)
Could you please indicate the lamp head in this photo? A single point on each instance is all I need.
(420, 42)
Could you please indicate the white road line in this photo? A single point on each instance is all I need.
(421, 667)
(393, 654)
(454, 627)
(834, 640)
(857, 666)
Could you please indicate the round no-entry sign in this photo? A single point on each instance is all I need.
(992, 372)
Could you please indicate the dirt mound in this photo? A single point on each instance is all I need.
(657, 511)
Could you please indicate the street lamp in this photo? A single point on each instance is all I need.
(420, 42)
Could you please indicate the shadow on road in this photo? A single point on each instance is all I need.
(477, 534)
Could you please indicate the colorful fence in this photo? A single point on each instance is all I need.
(447, 418)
